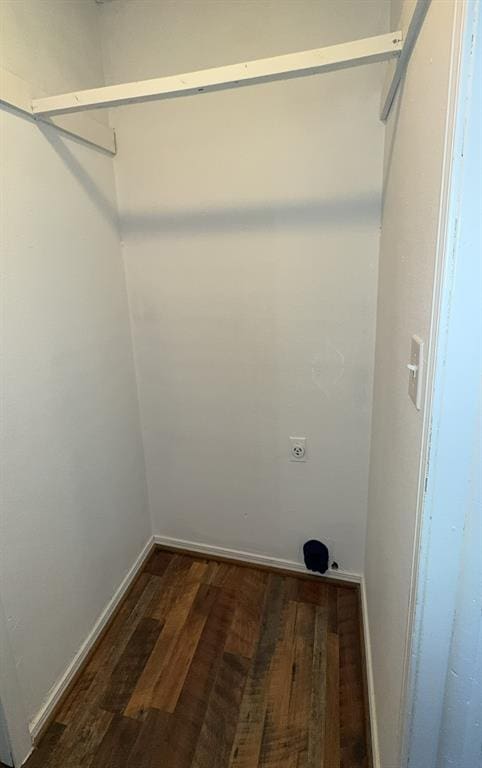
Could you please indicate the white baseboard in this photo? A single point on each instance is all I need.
(37, 724)
(251, 557)
(369, 669)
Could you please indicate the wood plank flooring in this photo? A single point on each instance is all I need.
(211, 664)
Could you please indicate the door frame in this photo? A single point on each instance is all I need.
(433, 575)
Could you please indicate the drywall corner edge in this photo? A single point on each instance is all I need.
(20, 741)
(369, 674)
(41, 719)
(250, 557)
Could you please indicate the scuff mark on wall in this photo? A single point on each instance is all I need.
(327, 368)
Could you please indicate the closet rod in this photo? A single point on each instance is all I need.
(333, 57)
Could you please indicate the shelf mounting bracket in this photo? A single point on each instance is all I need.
(17, 94)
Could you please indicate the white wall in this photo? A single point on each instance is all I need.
(74, 511)
(414, 151)
(250, 224)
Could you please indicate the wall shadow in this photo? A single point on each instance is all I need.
(280, 215)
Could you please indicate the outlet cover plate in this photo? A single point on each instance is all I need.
(297, 448)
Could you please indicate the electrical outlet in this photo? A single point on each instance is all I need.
(297, 448)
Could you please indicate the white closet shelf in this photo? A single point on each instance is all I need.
(57, 110)
(352, 54)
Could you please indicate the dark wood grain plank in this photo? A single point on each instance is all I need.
(174, 580)
(215, 742)
(158, 661)
(187, 721)
(332, 606)
(244, 631)
(170, 684)
(99, 669)
(76, 698)
(301, 681)
(279, 742)
(151, 747)
(130, 665)
(332, 720)
(315, 591)
(352, 706)
(318, 690)
(78, 692)
(117, 744)
(78, 745)
(136, 596)
(228, 576)
(41, 754)
(211, 572)
(158, 562)
(247, 743)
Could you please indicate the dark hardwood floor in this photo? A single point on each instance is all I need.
(215, 665)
